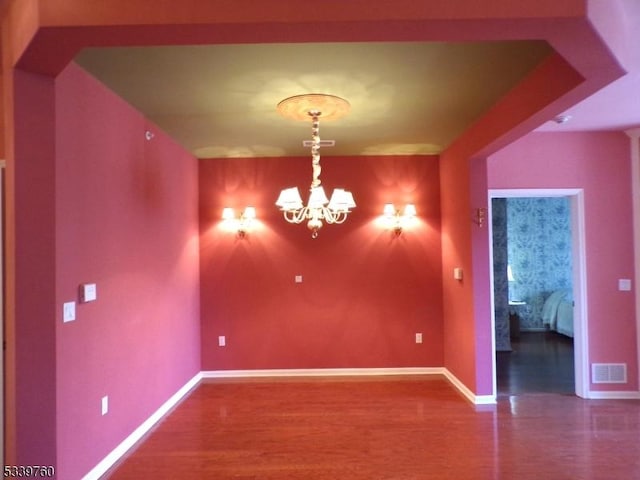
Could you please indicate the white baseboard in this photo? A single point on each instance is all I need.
(117, 453)
(322, 372)
(472, 397)
(613, 395)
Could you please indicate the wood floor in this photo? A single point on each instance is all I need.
(539, 362)
(384, 428)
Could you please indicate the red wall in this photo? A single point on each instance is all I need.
(364, 294)
(600, 164)
(126, 219)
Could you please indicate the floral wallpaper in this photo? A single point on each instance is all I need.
(500, 284)
(539, 252)
(536, 233)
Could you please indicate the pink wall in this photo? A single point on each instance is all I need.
(30, 253)
(600, 164)
(33, 341)
(364, 294)
(467, 335)
(126, 219)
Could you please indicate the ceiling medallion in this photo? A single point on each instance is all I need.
(319, 208)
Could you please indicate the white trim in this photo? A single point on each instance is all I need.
(634, 135)
(533, 192)
(581, 330)
(117, 453)
(581, 327)
(494, 380)
(322, 372)
(613, 395)
(472, 397)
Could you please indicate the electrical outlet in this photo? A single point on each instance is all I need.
(418, 338)
(105, 405)
(298, 278)
(222, 341)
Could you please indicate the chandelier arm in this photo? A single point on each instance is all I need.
(340, 217)
(331, 216)
(294, 216)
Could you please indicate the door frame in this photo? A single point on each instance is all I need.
(578, 252)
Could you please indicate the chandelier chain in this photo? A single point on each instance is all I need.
(315, 148)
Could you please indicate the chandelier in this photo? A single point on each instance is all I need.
(319, 208)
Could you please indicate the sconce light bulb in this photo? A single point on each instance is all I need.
(227, 213)
(410, 210)
(389, 209)
(249, 213)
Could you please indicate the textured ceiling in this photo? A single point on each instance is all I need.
(220, 100)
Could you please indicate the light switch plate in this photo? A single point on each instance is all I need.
(68, 311)
(624, 284)
(298, 278)
(105, 405)
(457, 273)
(88, 292)
(222, 341)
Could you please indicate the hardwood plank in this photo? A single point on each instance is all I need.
(383, 428)
(539, 362)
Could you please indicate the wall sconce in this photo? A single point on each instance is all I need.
(480, 216)
(240, 225)
(395, 220)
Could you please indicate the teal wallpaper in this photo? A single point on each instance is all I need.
(539, 252)
(533, 235)
(500, 285)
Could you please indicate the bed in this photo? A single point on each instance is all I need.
(557, 312)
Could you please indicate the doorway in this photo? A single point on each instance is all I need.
(536, 341)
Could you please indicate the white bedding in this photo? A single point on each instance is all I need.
(557, 312)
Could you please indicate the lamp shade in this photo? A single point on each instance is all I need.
(389, 210)
(341, 200)
(410, 210)
(249, 213)
(289, 199)
(317, 198)
(227, 213)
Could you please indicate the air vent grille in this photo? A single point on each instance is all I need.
(609, 373)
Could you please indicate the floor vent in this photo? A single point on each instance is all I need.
(609, 373)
